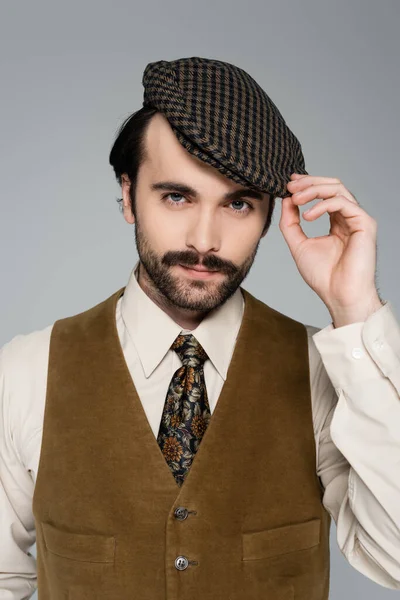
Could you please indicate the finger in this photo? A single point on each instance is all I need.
(297, 175)
(311, 179)
(353, 212)
(290, 224)
(324, 191)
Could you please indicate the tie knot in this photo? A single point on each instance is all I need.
(189, 350)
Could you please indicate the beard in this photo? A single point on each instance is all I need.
(196, 294)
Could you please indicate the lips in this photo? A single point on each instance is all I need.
(200, 269)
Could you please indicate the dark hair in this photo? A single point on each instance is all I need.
(128, 152)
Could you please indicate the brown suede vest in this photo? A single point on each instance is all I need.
(105, 499)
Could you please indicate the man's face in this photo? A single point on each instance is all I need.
(195, 244)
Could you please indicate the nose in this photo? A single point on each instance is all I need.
(204, 233)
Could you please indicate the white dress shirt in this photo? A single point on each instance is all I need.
(355, 395)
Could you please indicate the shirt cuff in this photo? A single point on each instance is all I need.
(361, 351)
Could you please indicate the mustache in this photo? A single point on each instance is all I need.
(191, 259)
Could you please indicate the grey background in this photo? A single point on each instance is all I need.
(71, 73)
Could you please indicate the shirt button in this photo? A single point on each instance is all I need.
(181, 563)
(378, 345)
(181, 513)
(357, 353)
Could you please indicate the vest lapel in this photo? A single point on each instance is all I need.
(137, 417)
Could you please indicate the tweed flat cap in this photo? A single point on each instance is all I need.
(222, 116)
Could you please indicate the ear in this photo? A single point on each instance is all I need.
(126, 201)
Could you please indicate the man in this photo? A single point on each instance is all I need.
(182, 439)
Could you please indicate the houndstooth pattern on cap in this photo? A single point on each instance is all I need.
(221, 115)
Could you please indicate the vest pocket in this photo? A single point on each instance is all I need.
(281, 540)
(78, 546)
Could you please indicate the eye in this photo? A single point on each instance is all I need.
(173, 198)
(238, 204)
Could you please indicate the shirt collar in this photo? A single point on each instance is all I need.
(152, 331)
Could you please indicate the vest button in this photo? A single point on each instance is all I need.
(181, 563)
(181, 513)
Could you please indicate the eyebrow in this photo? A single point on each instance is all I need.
(187, 189)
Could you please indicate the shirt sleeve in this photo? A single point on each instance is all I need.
(355, 381)
(17, 532)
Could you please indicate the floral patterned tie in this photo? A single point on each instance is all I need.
(186, 411)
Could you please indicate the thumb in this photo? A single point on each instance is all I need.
(289, 224)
